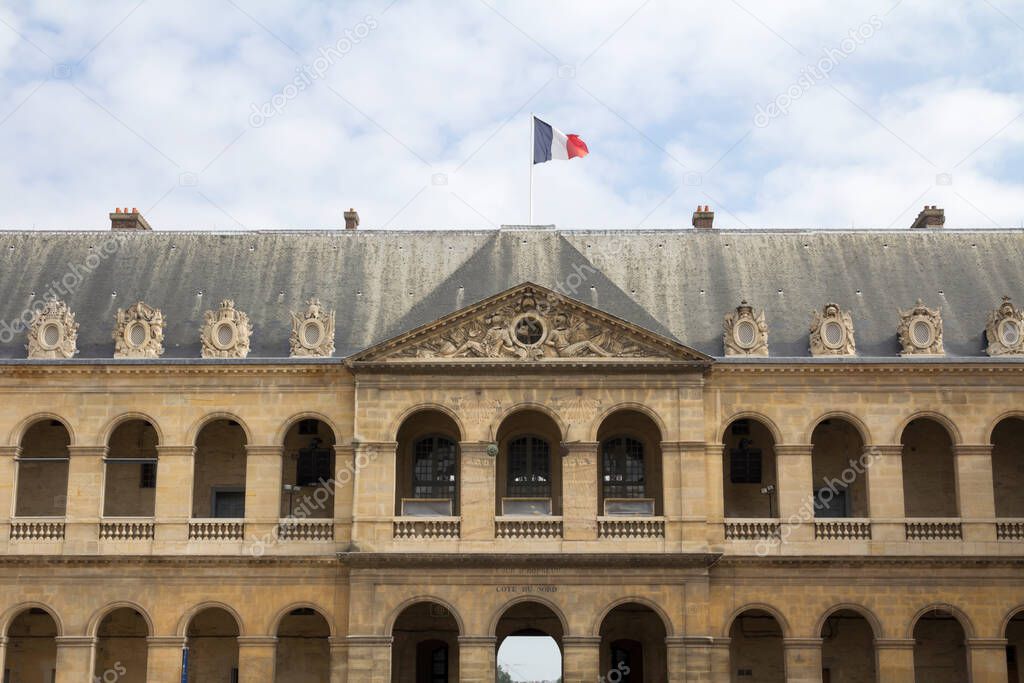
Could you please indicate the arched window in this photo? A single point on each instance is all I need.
(623, 468)
(434, 468)
(529, 468)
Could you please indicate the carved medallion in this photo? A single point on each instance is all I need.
(1005, 330)
(745, 332)
(53, 332)
(920, 331)
(139, 332)
(225, 332)
(312, 331)
(832, 332)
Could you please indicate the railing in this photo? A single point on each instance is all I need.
(752, 529)
(427, 527)
(528, 527)
(296, 529)
(934, 530)
(842, 529)
(1010, 530)
(40, 529)
(216, 530)
(631, 527)
(126, 529)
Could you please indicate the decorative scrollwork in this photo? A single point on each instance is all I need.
(745, 332)
(832, 332)
(920, 331)
(139, 332)
(53, 332)
(312, 331)
(1005, 330)
(225, 332)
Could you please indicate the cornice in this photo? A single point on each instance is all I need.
(365, 560)
(188, 561)
(274, 366)
(866, 562)
(805, 366)
(519, 367)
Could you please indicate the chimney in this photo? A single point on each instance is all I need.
(123, 219)
(930, 217)
(703, 218)
(351, 219)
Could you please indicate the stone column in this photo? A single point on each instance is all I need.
(895, 660)
(795, 474)
(369, 659)
(676, 659)
(257, 658)
(697, 656)
(721, 663)
(693, 500)
(714, 468)
(477, 489)
(581, 657)
(163, 663)
(374, 493)
(344, 487)
(885, 492)
(579, 491)
(476, 659)
(262, 491)
(803, 660)
(8, 492)
(339, 659)
(75, 658)
(987, 657)
(173, 506)
(85, 499)
(976, 492)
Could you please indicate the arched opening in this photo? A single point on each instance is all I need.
(755, 648)
(929, 470)
(749, 471)
(303, 648)
(307, 471)
(840, 481)
(633, 645)
(121, 647)
(43, 470)
(425, 648)
(1008, 467)
(529, 467)
(848, 648)
(218, 488)
(32, 648)
(529, 643)
(940, 649)
(630, 467)
(131, 468)
(427, 472)
(1015, 648)
(212, 646)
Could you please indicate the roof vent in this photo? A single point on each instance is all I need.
(351, 219)
(123, 219)
(930, 217)
(703, 218)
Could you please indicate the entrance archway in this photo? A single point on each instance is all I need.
(213, 646)
(303, 648)
(425, 648)
(121, 648)
(633, 645)
(940, 648)
(529, 643)
(848, 647)
(32, 647)
(755, 647)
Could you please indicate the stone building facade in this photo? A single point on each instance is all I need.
(694, 455)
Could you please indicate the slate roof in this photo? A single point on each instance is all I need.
(678, 283)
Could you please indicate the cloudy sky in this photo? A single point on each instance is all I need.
(235, 114)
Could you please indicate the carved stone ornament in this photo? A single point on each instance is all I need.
(225, 332)
(1005, 330)
(920, 331)
(312, 331)
(53, 332)
(832, 332)
(530, 323)
(745, 332)
(139, 332)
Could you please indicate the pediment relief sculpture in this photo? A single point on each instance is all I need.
(139, 332)
(832, 332)
(53, 333)
(920, 331)
(225, 332)
(1005, 330)
(745, 332)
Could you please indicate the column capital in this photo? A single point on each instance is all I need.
(362, 447)
(255, 449)
(986, 643)
(894, 643)
(803, 449)
(982, 449)
(685, 446)
(581, 641)
(343, 449)
(164, 451)
(477, 640)
(801, 643)
(894, 450)
(257, 641)
(75, 641)
(10, 451)
(369, 641)
(585, 447)
(166, 641)
(86, 451)
(474, 448)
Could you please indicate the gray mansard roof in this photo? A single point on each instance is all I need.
(678, 283)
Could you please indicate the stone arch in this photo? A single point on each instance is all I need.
(409, 412)
(1015, 612)
(11, 614)
(393, 616)
(991, 428)
(869, 616)
(948, 424)
(275, 622)
(108, 430)
(208, 418)
(186, 618)
(283, 430)
(856, 422)
(752, 415)
(102, 613)
(595, 426)
(595, 629)
(955, 612)
(19, 431)
(492, 629)
(775, 613)
(563, 428)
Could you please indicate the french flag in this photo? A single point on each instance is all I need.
(550, 143)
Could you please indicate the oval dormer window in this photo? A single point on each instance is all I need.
(137, 334)
(833, 334)
(312, 334)
(746, 334)
(224, 335)
(922, 334)
(51, 335)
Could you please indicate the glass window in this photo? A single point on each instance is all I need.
(434, 468)
(529, 468)
(623, 475)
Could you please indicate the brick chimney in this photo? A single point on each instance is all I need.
(351, 219)
(123, 219)
(703, 218)
(930, 217)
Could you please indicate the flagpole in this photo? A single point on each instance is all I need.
(533, 131)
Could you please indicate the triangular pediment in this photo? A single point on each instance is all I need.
(530, 324)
